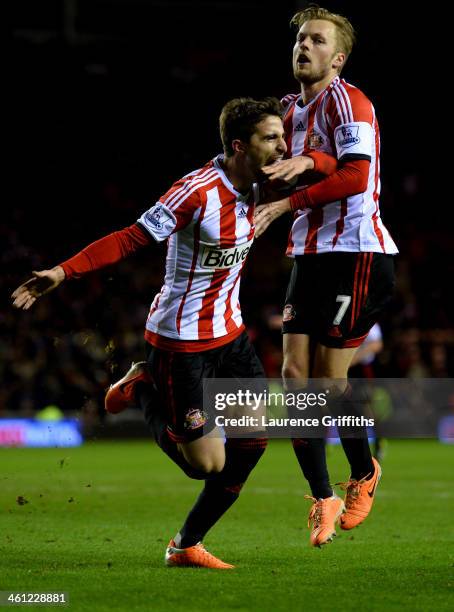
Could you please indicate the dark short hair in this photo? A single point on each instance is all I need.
(240, 116)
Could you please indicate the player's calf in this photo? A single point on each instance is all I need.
(221, 490)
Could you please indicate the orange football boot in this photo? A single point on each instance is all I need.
(323, 516)
(194, 556)
(359, 498)
(121, 395)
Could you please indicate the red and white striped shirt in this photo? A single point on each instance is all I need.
(209, 227)
(340, 121)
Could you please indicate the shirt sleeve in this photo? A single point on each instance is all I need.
(288, 99)
(106, 251)
(351, 117)
(324, 163)
(350, 179)
(173, 211)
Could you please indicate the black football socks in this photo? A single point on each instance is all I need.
(311, 455)
(310, 449)
(354, 439)
(219, 493)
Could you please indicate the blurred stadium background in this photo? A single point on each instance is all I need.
(111, 101)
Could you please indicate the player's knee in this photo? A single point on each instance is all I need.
(207, 465)
(336, 386)
(217, 465)
(291, 369)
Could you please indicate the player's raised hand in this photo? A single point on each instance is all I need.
(267, 213)
(289, 169)
(41, 283)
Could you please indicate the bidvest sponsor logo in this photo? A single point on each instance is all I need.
(216, 258)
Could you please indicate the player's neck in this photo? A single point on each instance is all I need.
(237, 175)
(309, 91)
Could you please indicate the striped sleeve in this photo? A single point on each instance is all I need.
(288, 99)
(350, 115)
(176, 208)
(172, 212)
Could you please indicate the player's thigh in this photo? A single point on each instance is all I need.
(301, 296)
(332, 362)
(299, 318)
(179, 382)
(295, 367)
(331, 365)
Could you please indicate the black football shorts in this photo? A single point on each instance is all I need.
(335, 298)
(179, 379)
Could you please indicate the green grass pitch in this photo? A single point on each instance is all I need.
(98, 519)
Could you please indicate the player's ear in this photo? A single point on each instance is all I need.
(238, 146)
(338, 60)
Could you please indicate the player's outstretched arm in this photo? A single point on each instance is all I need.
(41, 283)
(97, 255)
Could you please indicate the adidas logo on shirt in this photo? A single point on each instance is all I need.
(300, 127)
(242, 213)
